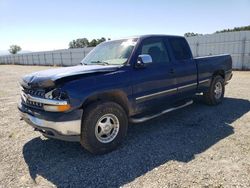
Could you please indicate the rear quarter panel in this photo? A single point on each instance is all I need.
(208, 66)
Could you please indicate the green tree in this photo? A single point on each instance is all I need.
(14, 49)
(243, 28)
(192, 34)
(84, 42)
(79, 43)
(93, 43)
(99, 41)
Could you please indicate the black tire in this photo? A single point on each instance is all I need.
(91, 116)
(210, 96)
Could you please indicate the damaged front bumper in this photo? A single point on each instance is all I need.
(63, 126)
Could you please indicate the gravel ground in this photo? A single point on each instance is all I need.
(199, 146)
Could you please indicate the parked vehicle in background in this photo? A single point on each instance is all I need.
(133, 79)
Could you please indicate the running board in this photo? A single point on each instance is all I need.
(146, 118)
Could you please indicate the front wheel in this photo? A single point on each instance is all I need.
(215, 94)
(104, 126)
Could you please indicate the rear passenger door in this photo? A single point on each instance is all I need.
(184, 66)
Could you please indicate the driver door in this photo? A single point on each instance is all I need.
(155, 84)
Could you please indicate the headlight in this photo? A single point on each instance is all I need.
(57, 95)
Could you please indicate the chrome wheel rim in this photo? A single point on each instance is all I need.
(218, 90)
(107, 128)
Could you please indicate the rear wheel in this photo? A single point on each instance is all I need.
(104, 126)
(215, 94)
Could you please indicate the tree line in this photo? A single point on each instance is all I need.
(84, 42)
(243, 28)
(77, 43)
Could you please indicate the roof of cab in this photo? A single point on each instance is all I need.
(158, 35)
(144, 37)
(148, 36)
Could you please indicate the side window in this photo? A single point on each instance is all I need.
(180, 48)
(156, 49)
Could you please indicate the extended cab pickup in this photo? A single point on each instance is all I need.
(120, 81)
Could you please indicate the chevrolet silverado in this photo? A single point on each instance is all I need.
(127, 80)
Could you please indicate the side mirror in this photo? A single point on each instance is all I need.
(142, 60)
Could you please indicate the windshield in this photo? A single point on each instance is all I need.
(111, 53)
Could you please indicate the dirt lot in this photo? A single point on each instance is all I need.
(193, 147)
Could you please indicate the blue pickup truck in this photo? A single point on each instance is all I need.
(127, 80)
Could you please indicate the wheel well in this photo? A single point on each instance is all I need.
(115, 96)
(219, 72)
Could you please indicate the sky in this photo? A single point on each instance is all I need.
(40, 25)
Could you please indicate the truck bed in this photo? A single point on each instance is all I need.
(207, 65)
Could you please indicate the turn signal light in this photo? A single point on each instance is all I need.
(56, 108)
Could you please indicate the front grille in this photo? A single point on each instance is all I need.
(36, 104)
(35, 93)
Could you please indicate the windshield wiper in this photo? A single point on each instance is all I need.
(99, 62)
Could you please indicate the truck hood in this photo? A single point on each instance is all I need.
(47, 78)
